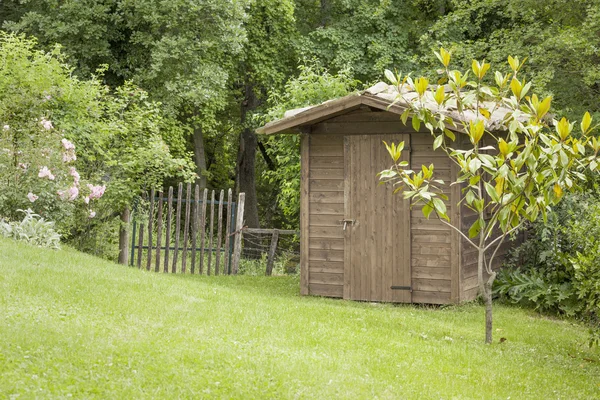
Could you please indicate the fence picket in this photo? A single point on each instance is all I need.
(159, 231)
(168, 230)
(186, 226)
(210, 230)
(219, 232)
(150, 223)
(226, 269)
(239, 224)
(177, 227)
(195, 226)
(203, 230)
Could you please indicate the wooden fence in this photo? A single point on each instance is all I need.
(199, 242)
(272, 247)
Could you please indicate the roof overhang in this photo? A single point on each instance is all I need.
(312, 115)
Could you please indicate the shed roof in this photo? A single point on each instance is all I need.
(380, 96)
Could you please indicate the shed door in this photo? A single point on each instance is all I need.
(377, 244)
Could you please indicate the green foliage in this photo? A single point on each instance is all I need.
(122, 140)
(559, 39)
(312, 86)
(557, 270)
(32, 229)
(365, 35)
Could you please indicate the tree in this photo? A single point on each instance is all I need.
(506, 179)
(181, 52)
(562, 47)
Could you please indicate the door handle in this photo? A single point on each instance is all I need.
(347, 221)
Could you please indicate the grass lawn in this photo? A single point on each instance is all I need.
(72, 324)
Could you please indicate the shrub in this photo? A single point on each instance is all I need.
(33, 229)
(124, 142)
(559, 267)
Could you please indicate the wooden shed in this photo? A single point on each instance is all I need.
(358, 241)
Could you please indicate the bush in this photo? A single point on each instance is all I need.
(33, 229)
(559, 267)
(125, 143)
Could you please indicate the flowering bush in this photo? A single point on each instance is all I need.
(74, 151)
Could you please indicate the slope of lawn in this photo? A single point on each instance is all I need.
(72, 324)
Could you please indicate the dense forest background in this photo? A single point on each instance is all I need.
(220, 69)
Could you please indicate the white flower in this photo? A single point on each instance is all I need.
(68, 145)
(32, 197)
(92, 214)
(46, 124)
(73, 172)
(6, 127)
(72, 193)
(45, 172)
(86, 200)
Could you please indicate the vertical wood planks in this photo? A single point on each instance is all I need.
(150, 223)
(226, 269)
(195, 226)
(168, 230)
(203, 230)
(304, 213)
(219, 232)
(177, 227)
(210, 230)
(271, 257)
(349, 216)
(237, 250)
(186, 226)
(159, 231)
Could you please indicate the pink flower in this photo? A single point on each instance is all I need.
(86, 200)
(96, 191)
(72, 193)
(32, 197)
(45, 173)
(68, 145)
(6, 127)
(73, 172)
(92, 214)
(46, 124)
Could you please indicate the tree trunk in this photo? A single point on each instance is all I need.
(325, 7)
(124, 237)
(246, 177)
(200, 156)
(487, 296)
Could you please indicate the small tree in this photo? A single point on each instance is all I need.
(516, 164)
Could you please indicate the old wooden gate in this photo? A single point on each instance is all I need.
(376, 224)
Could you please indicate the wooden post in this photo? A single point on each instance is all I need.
(150, 223)
(159, 231)
(195, 226)
(203, 229)
(124, 237)
(239, 224)
(186, 225)
(168, 231)
(177, 227)
(219, 232)
(210, 230)
(226, 269)
(140, 242)
(272, 249)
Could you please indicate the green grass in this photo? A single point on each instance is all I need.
(72, 324)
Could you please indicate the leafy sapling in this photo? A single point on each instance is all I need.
(513, 160)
